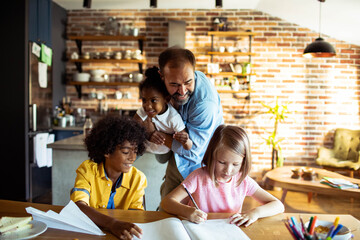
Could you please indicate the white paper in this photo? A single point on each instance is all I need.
(168, 228)
(42, 67)
(40, 149)
(214, 229)
(173, 228)
(36, 49)
(71, 218)
(51, 139)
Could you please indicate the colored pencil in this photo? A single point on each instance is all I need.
(310, 222)
(330, 232)
(297, 228)
(193, 201)
(313, 225)
(336, 222)
(303, 225)
(289, 229)
(295, 232)
(336, 230)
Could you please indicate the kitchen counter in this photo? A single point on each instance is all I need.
(68, 128)
(71, 143)
(67, 155)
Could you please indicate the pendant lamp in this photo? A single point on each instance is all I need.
(319, 48)
(87, 3)
(153, 3)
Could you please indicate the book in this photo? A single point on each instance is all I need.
(176, 229)
(338, 183)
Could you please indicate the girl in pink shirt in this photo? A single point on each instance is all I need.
(222, 184)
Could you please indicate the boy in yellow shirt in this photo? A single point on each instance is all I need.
(108, 179)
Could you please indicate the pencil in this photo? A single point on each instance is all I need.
(193, 201)
(330, 232)
(290, 230)
(309, 226)
(313, 225)
(336, 222)
(336, 230)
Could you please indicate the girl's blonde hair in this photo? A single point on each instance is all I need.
(231, 137)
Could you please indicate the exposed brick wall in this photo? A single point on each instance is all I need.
(323, 94)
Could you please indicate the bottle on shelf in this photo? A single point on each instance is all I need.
(87, 126)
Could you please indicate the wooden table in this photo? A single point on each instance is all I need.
(281, 177)
(269, 228)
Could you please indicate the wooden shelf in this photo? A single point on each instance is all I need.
(107, 38)
(231, 74)
(248, 54)
(107, 61)
(103, 83)
(232, 53)
(233, 91)
(79, 62)
(231, 34)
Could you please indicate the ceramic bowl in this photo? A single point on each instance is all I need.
(81, 77)
(138, 77)
(97, 72)
(339, 236)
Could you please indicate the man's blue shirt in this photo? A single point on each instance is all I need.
(202, 114)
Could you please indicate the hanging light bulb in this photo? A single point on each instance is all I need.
(87, 3)
(319, 48)
(153, 3)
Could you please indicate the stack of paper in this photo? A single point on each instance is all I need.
(71, 218)
(338, 183)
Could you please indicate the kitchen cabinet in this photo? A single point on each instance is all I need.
(245, 77)
(79, 62)
(40, 19)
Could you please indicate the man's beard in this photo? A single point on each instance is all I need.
(181, 102)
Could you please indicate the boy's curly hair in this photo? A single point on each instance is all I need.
(112, 131)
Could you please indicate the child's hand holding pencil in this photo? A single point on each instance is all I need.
(196, 216)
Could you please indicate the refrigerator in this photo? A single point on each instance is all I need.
(38, 179)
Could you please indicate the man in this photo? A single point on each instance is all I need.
(199, 105)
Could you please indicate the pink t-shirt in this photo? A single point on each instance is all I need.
(227, 197)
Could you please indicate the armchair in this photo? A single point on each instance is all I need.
(345, 154)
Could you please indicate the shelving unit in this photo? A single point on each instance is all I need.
(104, 83)
(233, 91)
(248, 54)
(78, 85)
(79, 62)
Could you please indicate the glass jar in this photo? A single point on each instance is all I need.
(87, 126)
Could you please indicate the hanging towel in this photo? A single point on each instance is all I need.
(40, 142)
(51, 139)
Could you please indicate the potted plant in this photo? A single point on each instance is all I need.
(279, 113)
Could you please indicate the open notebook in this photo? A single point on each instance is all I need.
(176, 229)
